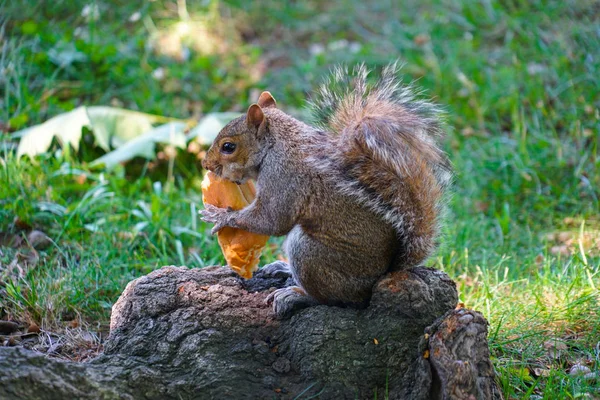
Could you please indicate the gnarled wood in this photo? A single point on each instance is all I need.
(181, 333)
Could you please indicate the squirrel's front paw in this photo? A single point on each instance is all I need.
(216, 215)
(276, 270)
(288, 300)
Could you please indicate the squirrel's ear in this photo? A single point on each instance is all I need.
(266, 100)
(255, 116)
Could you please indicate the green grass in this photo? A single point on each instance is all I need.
(517, 78)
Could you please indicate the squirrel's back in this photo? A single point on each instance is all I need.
(386, 154)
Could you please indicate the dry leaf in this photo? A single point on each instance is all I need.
(539, 259)
(541, 372)
(579, 369)
(555, 348)
(560, 250)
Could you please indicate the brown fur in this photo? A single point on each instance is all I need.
(355, 202)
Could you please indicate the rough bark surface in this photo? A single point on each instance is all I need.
(181, 333)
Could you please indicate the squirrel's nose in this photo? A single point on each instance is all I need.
(211, 166)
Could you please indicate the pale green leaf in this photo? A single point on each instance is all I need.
(129, 132)
(144, 145)
(208, 128)
(114, 127)
(111, 127)
(65, 53)
(66, 127)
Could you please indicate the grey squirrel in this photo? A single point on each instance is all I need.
(358, 196)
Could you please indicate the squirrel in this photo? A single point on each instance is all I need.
(358, 196)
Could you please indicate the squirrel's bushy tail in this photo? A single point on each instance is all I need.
(385, 149)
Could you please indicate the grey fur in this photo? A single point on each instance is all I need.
(344, 232)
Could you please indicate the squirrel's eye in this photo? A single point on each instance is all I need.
(228, 147)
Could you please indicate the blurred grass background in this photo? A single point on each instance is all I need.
(518, 79)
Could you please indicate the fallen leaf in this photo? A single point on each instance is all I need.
(421, 39)
(38, 240)
(579, 369)
(560, 250)
(564, 236)
(468, 131)
(8, 327)
(81, 179)
(541, 372)
(555, 348)
(482, 206)
(570, 221)
(110, 126)
(10, 240)
(209, 127)
(144, 145)
(20, 224)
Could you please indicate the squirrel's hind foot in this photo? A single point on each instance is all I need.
(286, 301)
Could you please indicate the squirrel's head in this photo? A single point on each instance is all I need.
(239, 148)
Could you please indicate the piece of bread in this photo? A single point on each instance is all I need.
(241, 249)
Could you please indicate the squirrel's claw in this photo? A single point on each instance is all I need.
(216, 229)
(288, 300)
(216, 215)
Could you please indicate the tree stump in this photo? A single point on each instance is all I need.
(181, 333)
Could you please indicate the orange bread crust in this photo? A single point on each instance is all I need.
(241, 249)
